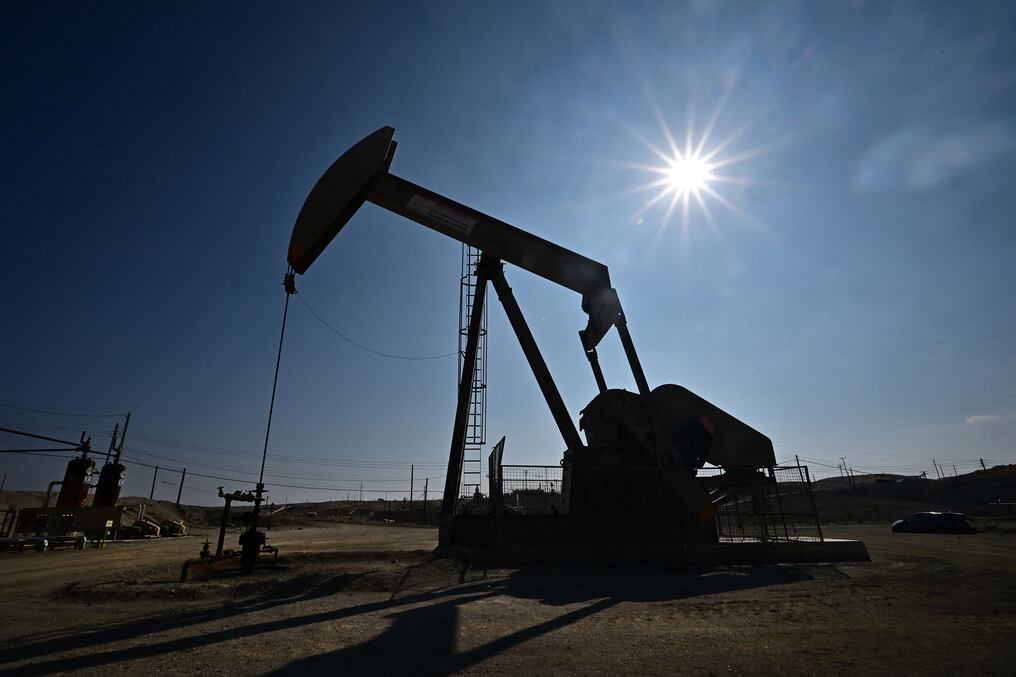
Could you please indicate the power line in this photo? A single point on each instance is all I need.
(366, 348)
(32, 450)
(400, 463)
(392, 488)
(60, 413)
(189, 462)
(57, 455)
(247, 454)
(242, 453)
(267, 484)
(380, 463)
(190, 488)
(824, 465)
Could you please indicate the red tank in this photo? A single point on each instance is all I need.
(107, 491)
(74, 491)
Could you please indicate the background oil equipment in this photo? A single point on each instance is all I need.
(76, 482)
(113, 473)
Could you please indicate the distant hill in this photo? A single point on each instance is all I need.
(883, 497)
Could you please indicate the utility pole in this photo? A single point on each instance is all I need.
(797, 460)
(151, 496)
(955, 474)
(4, 480)
(112, 441)
(426, 481)
(983, 467)
(411, 487)
(361, 494)
(937, 474)
(180, 490)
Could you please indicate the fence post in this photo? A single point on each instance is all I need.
(811, 499)
(779, 502)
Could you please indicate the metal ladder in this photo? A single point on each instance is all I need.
(476, 419)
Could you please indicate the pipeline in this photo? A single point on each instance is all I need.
(49, 492)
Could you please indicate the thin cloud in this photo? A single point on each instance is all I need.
(982, 419)
(922, 157)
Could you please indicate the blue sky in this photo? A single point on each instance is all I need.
(850, 296)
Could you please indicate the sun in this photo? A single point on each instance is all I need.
(688, 175)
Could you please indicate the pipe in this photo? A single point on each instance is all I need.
(49, 492)
(222, 526)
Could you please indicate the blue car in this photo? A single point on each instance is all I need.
(935, 523)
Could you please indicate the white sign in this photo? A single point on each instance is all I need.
(443, 215)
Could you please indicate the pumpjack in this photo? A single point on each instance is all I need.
(667, 429)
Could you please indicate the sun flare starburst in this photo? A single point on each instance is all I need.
(688, 174)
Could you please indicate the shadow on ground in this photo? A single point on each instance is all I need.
(422, 636)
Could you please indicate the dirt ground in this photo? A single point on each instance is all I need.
(351, 599)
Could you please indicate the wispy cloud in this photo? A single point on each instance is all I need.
(982, 419)
(924, 157)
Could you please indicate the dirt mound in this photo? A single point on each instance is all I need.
(164, 511)
(23, 499)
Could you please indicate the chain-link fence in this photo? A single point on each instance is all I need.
(752, 504)
(531, 489)
(776, 504)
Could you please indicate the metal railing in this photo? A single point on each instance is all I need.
(778, 506)
(768, 504)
